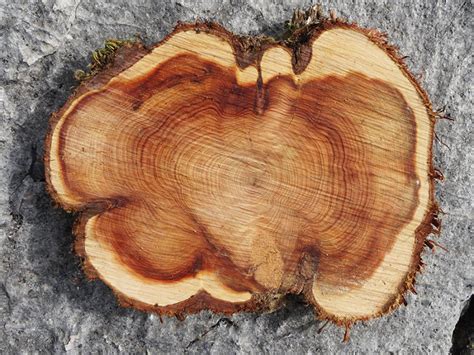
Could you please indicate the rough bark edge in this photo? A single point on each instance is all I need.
(248, 51)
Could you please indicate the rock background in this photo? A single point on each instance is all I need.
(45, 302)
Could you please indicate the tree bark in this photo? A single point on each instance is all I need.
(221, 172)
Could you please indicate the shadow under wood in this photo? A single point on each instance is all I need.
(46, 242)
(463, 336)
(277, 30)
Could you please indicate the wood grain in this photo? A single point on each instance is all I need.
(214, 174)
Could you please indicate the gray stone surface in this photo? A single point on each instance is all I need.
(45, 302)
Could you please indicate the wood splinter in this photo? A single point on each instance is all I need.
(221, 172)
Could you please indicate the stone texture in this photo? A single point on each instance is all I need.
(45, 302)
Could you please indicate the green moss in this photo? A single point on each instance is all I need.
(101, 57)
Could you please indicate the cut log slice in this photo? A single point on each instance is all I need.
(220, 172)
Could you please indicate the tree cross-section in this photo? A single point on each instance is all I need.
(223, 172)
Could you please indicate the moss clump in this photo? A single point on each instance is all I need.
(101, 57)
